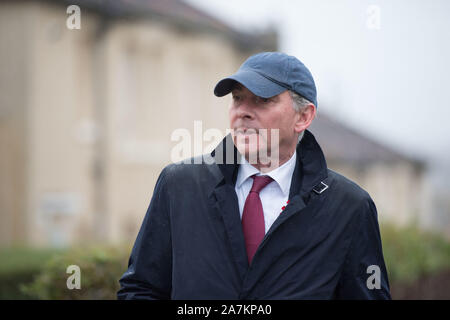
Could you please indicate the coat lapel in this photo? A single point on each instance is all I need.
(227, 205)
(225, 200)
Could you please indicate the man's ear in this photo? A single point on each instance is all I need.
(305, 117)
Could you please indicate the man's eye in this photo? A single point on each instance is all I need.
(264, 100)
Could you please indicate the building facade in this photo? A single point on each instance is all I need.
(87, 115)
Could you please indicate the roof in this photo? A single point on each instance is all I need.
(343, 144)
(178, 13)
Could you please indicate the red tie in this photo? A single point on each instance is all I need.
(253, 216)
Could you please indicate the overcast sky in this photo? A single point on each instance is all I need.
(380, 66)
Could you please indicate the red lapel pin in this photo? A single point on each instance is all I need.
(284, 207)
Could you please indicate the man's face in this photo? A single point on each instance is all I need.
(250, 113)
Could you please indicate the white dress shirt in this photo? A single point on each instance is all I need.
(274, 196)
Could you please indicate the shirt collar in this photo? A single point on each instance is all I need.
(282, 175)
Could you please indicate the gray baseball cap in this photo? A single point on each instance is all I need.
(268, 74)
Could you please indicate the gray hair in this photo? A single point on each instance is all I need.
(299, 103)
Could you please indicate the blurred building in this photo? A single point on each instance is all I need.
(396, 182)
(87, 116)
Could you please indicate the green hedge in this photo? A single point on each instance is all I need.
(410, 253)
(19, 266)
(101, 268)
(41, 274)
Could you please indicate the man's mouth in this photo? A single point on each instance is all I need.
(246, 131)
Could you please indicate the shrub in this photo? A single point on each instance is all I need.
(18, 266)
(101, 268)
(410, 253)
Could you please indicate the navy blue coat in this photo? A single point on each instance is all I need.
(191, 244)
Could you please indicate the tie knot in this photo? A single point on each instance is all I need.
(259, 182)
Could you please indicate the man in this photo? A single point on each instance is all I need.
(271, 221)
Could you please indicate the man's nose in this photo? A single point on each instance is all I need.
(245, 109)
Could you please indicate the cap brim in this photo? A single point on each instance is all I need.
(253, 81)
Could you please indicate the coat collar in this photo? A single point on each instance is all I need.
(310, 169)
